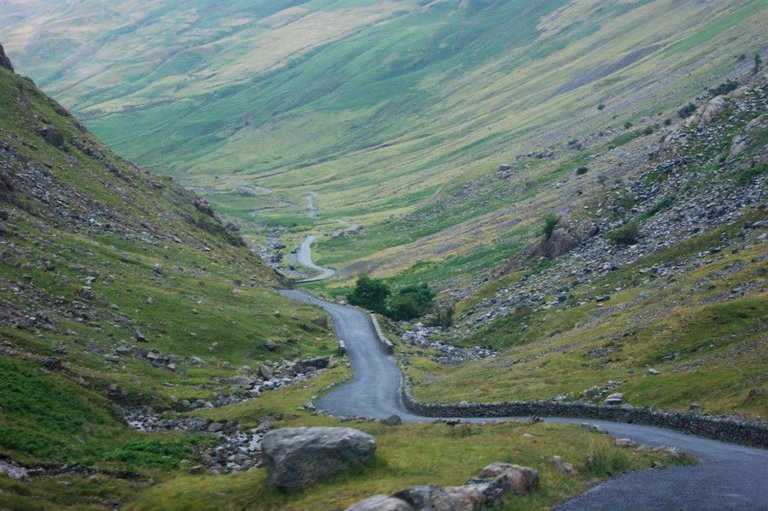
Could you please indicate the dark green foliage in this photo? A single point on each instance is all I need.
(758, 63)
(667, 122)
(648, 130)
(163, 453)
(44, 415)
(628, 125)
(410, 302)
(601, 107)
(370, 293)
(724, 88)
(582, 170)
(550, 222)
(686, 111)
(625, 235)
(444, 316)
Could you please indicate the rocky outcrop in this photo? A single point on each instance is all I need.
(4, 60)
(381, 503)
(52, 136)
(487, 491)
(567, 236)
(298, 457)
(521, 480)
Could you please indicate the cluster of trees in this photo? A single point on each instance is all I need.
(402, 305)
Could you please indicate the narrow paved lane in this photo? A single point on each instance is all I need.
(729, 476)
(304, 258)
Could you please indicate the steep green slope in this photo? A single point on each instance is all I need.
(116, 286)
(390, 113)
(664, 300)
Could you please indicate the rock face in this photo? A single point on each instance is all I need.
(565, 237)
(298, 457)
(381, 503)
(495, 481)
(52, 136)
(4, 60)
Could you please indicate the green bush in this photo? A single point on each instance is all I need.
(582, 170)
(410, 302)
(550, 222)
(370, 294)
(625, 235)
(604, 461)
(686, 111)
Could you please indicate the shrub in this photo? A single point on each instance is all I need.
(410, 302)
(550, 222)
(724, 88)
(444, 316)
(604, 461)
(686, 111)
(582, 170)
(370, 293)
(625, 235)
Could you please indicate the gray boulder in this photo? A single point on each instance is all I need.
(476, 496)
(381, 503)
(521, 480)
(52, 136)
(298, 457)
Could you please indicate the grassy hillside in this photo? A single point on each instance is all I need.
(385, 109)
(100, 260)
(102, 264)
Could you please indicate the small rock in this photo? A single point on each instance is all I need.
(563, 466)
(139, 335)
(392, 420)
(625, 442)
(50, 363)
(652, 371)
(158, 269)
(614, 399)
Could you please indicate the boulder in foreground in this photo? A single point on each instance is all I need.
(298, 457)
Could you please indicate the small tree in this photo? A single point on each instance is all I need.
(625, 235)
(410, 302)
(370, 293)
(601, 107)
(550, 222)
(686, 111)
(758, 63)
(582, 170)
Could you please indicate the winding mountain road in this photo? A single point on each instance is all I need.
(304, 258)
(728, 476)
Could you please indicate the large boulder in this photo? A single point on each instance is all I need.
(381, 503)
(521, 480)
(298, 457)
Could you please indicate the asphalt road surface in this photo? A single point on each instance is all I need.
(728, 476)
(304, 258)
